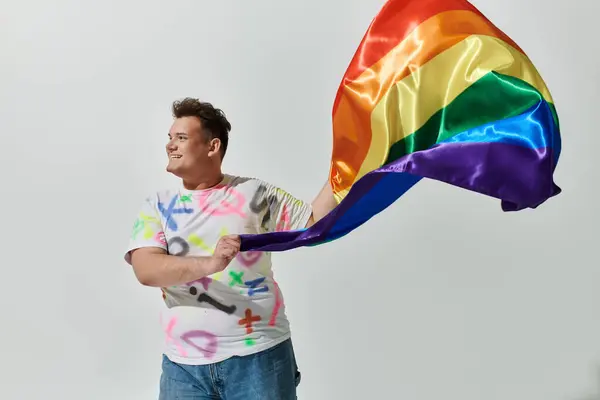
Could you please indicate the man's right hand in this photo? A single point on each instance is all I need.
(227, 248)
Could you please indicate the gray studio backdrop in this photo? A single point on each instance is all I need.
(443, 296)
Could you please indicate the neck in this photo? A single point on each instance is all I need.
(203, 183)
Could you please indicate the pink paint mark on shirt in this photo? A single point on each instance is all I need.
(160, 238)
(284, 223)
(278, 304)
(211, 345)
(204, 281)
(224, 206)
(249, 258)
(170, 338)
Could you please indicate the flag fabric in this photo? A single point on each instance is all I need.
(434, 90)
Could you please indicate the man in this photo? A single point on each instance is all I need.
(227, 334)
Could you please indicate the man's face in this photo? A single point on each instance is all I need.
(188, 150)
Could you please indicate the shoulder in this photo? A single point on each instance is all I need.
(240, 179)
(262, 189)
(246, 182)
(249, 180)
(259, 190)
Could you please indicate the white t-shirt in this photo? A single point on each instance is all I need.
(240, 310)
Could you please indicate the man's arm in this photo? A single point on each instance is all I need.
(322, 204)
(154, 267)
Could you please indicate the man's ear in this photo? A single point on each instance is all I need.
(214, 147)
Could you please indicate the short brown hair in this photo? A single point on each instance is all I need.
(214, 123)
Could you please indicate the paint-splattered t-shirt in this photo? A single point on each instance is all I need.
(240, 310)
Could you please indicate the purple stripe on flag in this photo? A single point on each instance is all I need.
(521, 177)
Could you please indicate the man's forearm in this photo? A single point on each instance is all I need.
(163, 270)
(322, 204)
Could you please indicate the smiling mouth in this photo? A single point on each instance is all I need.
(174, 156)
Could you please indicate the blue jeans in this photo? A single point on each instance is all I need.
(268, 375)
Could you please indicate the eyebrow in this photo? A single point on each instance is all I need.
(177, 133)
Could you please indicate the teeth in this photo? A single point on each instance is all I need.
(175, 156)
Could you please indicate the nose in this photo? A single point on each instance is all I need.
(171, 146)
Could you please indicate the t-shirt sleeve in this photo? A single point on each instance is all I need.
(285, 212)
(147, 229)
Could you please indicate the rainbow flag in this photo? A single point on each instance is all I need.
(436, 91)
